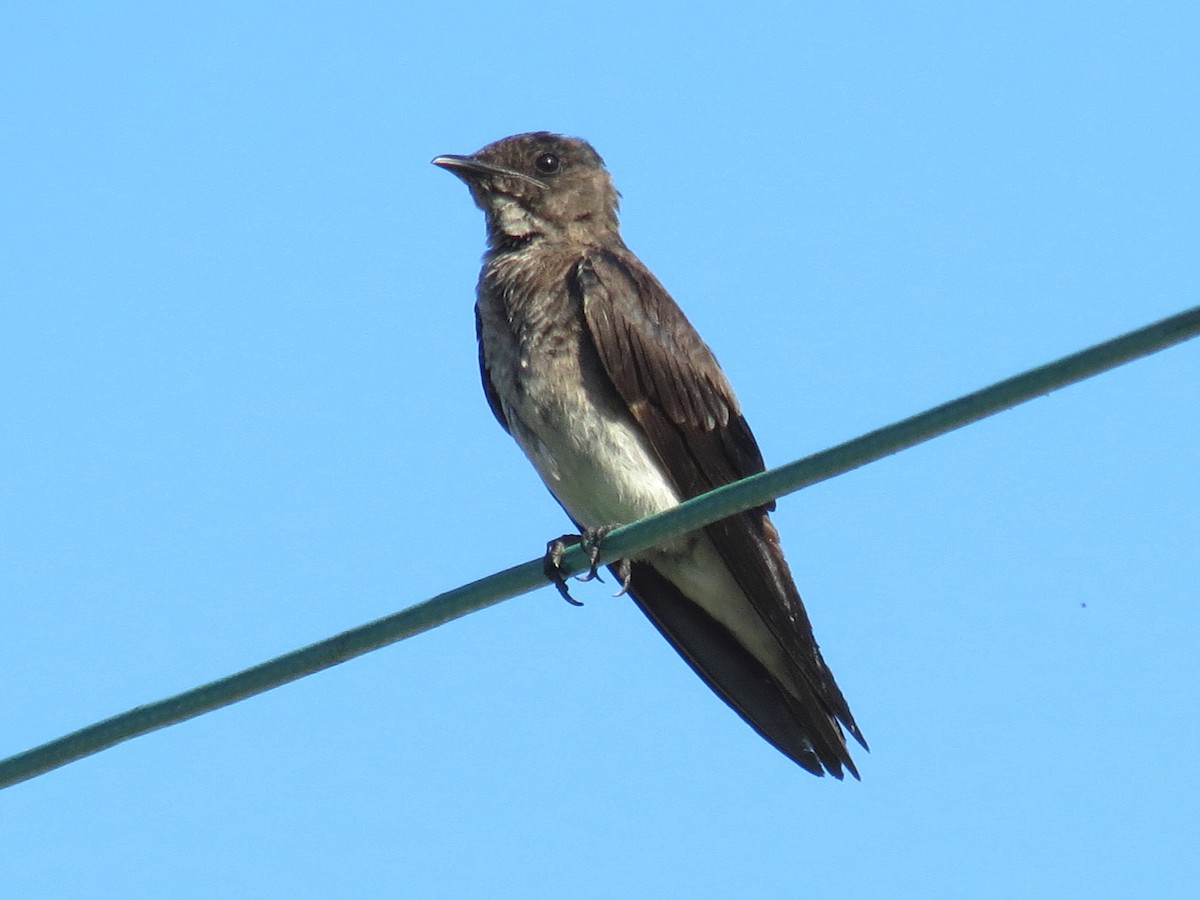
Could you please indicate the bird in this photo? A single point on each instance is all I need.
(621, 407)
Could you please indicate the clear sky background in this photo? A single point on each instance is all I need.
(239, 412)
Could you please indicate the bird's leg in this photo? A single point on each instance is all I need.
(552, 564)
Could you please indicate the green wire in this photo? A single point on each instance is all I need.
(626, 541)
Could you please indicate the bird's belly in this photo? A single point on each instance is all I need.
(597, 464)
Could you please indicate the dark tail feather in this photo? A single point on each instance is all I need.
(739, 679)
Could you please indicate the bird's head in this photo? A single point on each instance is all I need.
(539, 185)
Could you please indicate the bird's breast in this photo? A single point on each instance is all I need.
(563, 410)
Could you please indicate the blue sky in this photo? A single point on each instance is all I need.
(241, 412)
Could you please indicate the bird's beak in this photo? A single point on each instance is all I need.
(468, 167)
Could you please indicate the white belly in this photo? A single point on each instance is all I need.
(597, 464)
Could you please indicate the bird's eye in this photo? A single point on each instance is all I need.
(547, 163)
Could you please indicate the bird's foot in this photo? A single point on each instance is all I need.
(590, 539)
(552, 564)
(624, 575)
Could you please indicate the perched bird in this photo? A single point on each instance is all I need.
(622, 409)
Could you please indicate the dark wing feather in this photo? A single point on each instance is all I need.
(678, 394)
(728, 668)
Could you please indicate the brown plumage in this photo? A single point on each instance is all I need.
(622, 408)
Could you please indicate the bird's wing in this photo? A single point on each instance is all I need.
(489, 389)
(677, 393)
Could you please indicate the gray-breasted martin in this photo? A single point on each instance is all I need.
(621, 407)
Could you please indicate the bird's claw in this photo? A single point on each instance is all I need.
(591, 539)
(624, 575)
